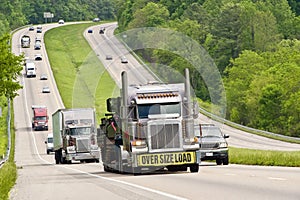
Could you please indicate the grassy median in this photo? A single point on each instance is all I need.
(80, 76)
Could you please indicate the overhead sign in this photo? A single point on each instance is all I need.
(48, 15)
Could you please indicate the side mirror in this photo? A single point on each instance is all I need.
(45, 142)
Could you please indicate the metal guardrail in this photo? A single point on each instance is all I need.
(8, 135)
(241, 127)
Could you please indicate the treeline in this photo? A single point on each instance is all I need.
(255, 45)
(17, 13)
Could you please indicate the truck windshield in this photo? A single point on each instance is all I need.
(80, 131)
(156, 109)
(41, 118)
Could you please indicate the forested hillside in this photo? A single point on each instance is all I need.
(254, 44)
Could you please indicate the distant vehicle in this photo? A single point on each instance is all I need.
(38, 57)
(38, 39)
(40, 117)
(96, 19)
(108, 57)
(37, 46)
(49, 143)
(43, 77)
(90, 31)
(124, 59)
(46, 89)
(61, 21)
(30, 69)
(31, 28)
(101, 31)
(39, 29)
(25, 41)
(213, 144)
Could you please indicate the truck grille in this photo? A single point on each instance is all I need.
(164, 136)
(82, 144)
(209, 145)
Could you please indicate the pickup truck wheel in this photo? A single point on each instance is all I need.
(225, 161)
(219, 161)
(194, 168)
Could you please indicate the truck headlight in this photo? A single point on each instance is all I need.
(191, 140)
(223, 145)
(138, 143)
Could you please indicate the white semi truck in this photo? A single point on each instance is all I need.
(25, 41)
(74, 135)
(149, 127)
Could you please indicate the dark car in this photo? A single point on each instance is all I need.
(31, 28)
(213, 144)
(101, 31)
(108, 57)
(90, 31)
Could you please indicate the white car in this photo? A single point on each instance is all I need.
(46, 89)
(38, 57)
(61, 21)
(43, 77)
(49, 143)
(124, 59)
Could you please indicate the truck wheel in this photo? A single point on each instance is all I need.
(225, 161)
(194, 168)
(219, 161)
(57, 157)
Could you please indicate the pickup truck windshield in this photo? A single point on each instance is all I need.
(155, 109)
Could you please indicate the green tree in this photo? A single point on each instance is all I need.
(152, 15)
(10, 69)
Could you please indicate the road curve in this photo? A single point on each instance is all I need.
(39, 178)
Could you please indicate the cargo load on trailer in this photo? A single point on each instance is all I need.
(74, 135)
(40, 117)
(25, 41)
(150, 127)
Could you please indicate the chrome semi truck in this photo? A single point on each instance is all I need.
(148, 128)
(74, 135)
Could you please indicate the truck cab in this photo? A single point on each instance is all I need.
(40, 117)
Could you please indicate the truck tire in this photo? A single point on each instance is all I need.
(194, 168)
(57, 157)
(225, 161)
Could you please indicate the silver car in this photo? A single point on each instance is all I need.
(46, 89)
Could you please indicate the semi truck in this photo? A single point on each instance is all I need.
(40, 117)
(74, 135)
(25, 41)
(149, 128)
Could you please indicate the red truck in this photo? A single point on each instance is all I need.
(40, 117)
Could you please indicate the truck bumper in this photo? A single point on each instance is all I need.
(213, 154)
(83, 156)
(165, 159)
